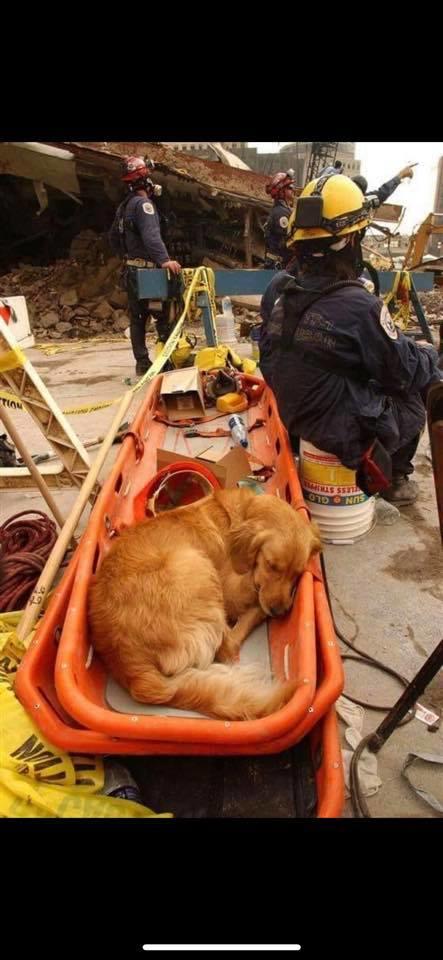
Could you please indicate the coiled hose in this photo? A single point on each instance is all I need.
(25, 545)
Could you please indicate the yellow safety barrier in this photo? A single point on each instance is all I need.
(202, 280)
(36, 778)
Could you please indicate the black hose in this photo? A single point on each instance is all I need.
(371, 661)
(359, 804)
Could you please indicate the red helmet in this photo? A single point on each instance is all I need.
(134, 169)
(279, 183)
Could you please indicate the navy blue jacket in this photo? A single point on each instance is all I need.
(342, 361)
(276, 230)
(383, 192)
(267, 303)
(135, 232)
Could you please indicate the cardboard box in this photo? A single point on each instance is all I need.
(182, 394)
(231, 468)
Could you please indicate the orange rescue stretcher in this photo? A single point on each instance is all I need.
(64, 686)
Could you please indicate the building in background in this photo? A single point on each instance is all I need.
(293, 156)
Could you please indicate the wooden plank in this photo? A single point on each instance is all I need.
(25, 383)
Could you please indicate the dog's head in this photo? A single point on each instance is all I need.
(275, 544)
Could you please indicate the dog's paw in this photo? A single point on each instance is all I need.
(229, 650)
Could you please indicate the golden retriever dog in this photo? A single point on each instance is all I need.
(177, 592)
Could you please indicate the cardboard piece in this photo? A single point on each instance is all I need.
(231, 468)
(182, 394)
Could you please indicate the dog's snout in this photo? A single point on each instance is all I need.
(278, 611)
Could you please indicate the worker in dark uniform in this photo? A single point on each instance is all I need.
(344, 376)
(135, 236)
(267, 303)
(377, 197)
(281, 189)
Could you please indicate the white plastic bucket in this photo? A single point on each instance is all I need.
(341, 510)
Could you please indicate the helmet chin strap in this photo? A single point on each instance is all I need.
(358, 251)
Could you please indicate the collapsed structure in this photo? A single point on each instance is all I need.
(51, 191)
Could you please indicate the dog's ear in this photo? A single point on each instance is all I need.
(316, 544)
(245, 540)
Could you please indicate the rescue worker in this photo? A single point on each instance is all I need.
(135, 236)
(344, 376)
(281, 189)
(337, 168)
(377, 197)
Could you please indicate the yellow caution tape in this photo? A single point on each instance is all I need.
(11, 359)
(402, 316)
(36, 778)
(203, 280)
(49, 349)
(9, 400)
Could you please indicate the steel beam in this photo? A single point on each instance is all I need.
(153, 285)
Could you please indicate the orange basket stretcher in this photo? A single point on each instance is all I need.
(64, 685)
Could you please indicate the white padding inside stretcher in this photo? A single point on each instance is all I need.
(254, 650)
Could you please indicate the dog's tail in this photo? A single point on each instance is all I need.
(228, 692)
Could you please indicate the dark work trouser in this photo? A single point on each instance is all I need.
(139, 312)
(138, 315)
(400, 432)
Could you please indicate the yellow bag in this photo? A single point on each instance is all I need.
(181, 353)
(211, 357)
(36, 778)
(249, 366)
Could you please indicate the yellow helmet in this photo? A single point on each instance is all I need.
(330, 206)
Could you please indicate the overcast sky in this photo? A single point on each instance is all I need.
(381, 161)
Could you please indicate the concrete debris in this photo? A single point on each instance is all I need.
(103, 310)
(118, 298)
(432, 302)
(46, 320)
(74, 298)
(69, 299)
(81, 296)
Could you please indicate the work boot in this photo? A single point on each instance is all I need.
(402, 492)
(142, 367)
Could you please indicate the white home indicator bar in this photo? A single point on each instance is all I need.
(189, 947)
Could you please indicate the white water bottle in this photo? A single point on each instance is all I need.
(228, 313)
(238, 431)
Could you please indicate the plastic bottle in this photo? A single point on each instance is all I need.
(228, 313)
(225, 322)
(386, 513)
(119, 783)
(238, 431)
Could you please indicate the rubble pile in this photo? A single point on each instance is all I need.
(432, 303)
(81, 296)
(74, 298)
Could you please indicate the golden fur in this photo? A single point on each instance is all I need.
(177, 592)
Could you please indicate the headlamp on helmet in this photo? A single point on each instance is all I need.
(309, 212)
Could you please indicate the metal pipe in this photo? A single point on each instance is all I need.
(407, 699)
